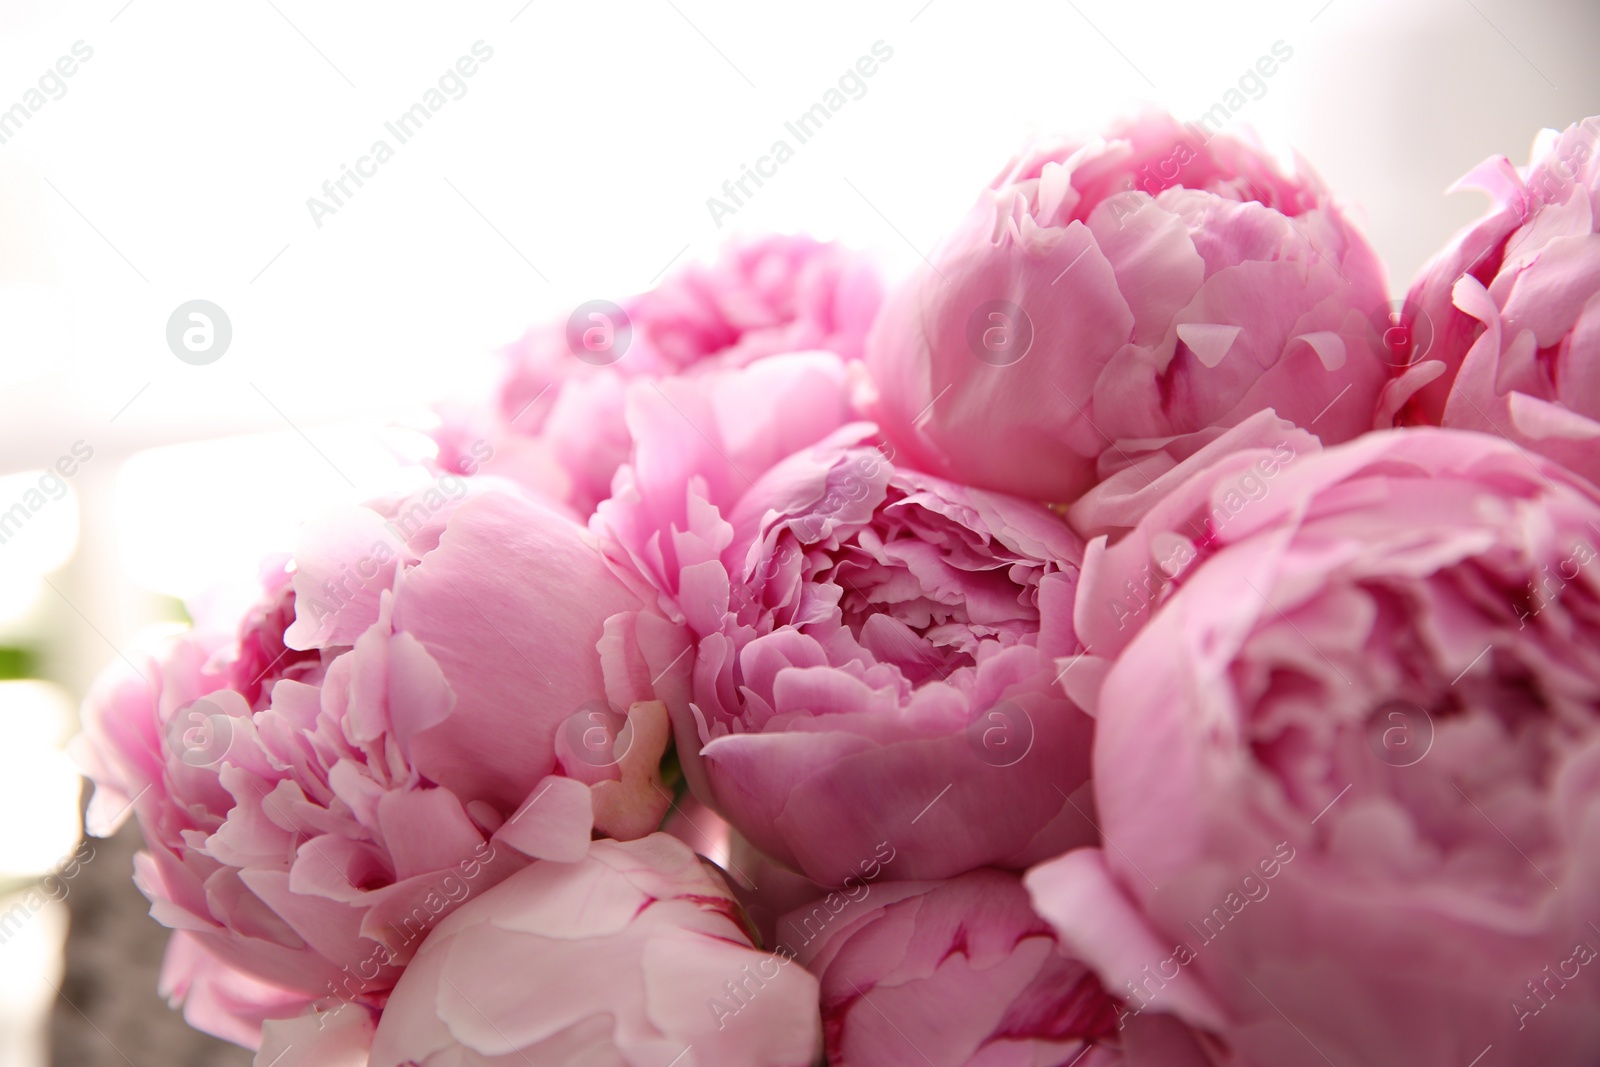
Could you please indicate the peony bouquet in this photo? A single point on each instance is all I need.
(1130, 640)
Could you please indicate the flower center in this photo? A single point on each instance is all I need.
(922, 592)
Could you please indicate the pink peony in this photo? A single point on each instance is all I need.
(962, 973)
(1105, 300)
(1502, 330)
(1348, 766)
(559, 426)
(867, 653)
(1162, 528)
(1116, 505)
(314, 795)
(631, 957)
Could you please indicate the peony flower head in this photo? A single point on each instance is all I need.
(409, 715)
(1106, 299)
(865, 655)
(1347, 768)
(633, 956)
(557, 425)
(960, 973)
(1502, 330)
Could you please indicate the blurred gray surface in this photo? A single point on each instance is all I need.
(109, 1014)
(1408, 97)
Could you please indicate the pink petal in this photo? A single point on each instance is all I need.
(554, 823)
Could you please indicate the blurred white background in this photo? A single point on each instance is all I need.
(176, 161)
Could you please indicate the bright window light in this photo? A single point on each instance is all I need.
(37, 326)
(39, 785)
(193, 515)
(38, 525)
